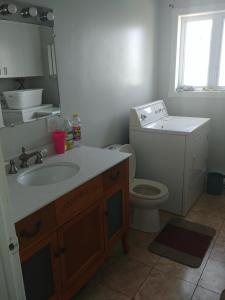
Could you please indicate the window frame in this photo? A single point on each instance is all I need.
(206, 12)
(181, 55)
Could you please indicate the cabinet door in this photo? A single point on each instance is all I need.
(11, 50)
(41, 270)
(116, 216)
(114, 213)
(82, 244)
(117, 210)
(32, 52)
(20, 50)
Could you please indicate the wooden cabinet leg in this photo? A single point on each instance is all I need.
(125, 243)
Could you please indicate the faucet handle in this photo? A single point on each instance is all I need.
(39, 157)
(23, 150)
(13, 169)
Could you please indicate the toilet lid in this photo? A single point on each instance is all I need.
(132, 160)
(148, 189)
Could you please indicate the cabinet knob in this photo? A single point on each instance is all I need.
(115, 176)
(60, 252)
(57, 254)
(63, 251)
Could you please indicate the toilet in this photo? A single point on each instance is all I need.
(146, 196)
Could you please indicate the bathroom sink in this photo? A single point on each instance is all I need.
(48, 174)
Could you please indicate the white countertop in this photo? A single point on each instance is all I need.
(92, 162)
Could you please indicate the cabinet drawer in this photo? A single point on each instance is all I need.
(114, 176)
(78, 200)
(36, 226)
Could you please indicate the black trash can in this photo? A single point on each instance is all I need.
(215, 183)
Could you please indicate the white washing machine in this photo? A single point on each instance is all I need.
(172, 150)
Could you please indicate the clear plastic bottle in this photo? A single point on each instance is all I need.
(68, 128)
(76, 125)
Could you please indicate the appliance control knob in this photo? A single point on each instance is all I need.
(143, 117)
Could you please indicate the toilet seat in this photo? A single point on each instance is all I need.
(146, 197)
(148, 189)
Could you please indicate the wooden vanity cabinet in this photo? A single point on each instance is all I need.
(61, 253)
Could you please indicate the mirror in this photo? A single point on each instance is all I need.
(28, 69)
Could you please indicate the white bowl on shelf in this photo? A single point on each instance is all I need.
(20, 99)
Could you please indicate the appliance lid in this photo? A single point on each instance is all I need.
(177, 124)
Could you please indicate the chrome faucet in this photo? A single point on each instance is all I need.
(24, 157)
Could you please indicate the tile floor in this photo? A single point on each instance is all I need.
(142, 275)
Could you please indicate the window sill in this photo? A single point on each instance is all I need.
(197, 94)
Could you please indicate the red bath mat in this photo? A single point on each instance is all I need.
(183, 241)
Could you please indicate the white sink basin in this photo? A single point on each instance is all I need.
(49, 174)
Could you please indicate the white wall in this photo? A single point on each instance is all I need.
(106, 52)
(3, 284)
(197, 107)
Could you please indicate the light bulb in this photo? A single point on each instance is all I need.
(29, 12)
(47, 16)
(8, 9)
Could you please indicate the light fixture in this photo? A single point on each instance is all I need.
(8, 9)
(47, 16)
(29, 12)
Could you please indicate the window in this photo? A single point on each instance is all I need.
(222, 62)
(201, 53)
